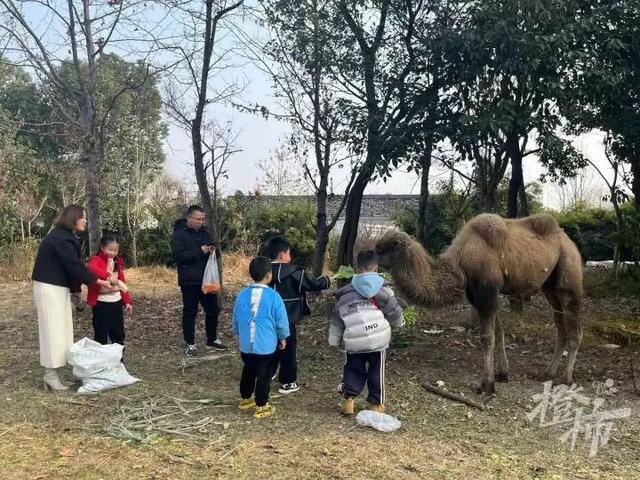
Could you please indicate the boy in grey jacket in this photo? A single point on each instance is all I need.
(361, 323)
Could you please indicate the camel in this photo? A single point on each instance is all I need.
(492, 255)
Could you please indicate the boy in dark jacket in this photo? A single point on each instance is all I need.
(292, 283)
(361, 322)
(191, 246)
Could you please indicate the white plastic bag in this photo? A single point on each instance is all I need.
(211, 278)
(380, 421)
(99, 366)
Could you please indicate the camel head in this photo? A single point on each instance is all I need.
(391, 249)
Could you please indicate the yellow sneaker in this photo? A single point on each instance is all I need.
(348, 407)
(246, 404)
(376, 407)
(264, 411)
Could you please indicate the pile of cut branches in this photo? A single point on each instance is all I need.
(190, 420)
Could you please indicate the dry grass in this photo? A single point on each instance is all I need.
(236, 268)
(16, 261)
(158, 281)
(52, 436)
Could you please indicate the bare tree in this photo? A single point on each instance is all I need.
(220, 147)
(282, 174)
(136, 186)
(381, 86)
(298, 58)
(578, 190)
(83, 30)
(617, 187)
(201, 56)
(28, 209)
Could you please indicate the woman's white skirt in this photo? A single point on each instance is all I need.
(55, 323)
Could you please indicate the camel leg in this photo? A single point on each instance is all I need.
(487, 340)
(561, 333)
(574, 335)
(502, 372)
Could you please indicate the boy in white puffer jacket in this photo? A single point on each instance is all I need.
(361, 322)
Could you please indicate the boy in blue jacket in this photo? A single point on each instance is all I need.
(261, 324)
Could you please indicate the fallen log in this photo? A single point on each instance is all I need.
(451, 396)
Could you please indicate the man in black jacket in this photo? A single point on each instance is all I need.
(191, 247)
(292, 283)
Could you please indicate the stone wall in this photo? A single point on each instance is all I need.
(375, 208)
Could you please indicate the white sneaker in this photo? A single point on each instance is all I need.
(190, 351)
(216, 345)
(288, 388)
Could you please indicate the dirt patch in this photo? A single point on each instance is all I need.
(52, 436)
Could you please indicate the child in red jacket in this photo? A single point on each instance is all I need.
(108, 302)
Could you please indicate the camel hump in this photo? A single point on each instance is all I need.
(492, 228)
(542, 224)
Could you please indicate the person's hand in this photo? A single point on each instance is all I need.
(207, 249)
(282, 344)
(106, 285)
(128, 309)
(113, 279)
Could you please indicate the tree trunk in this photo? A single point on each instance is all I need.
(635, 182)
(524, 203)
(322, 240)
(617, 251)
(422, 220)
(490, 201)
(517, 179)
(322, 233)
(134, 249)
(92, 191)
(352, 216)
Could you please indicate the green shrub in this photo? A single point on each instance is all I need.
(594, 231)
(293, 222)
(443, 222)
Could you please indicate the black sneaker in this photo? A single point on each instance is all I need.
(190, 351)
(288, 388)
(217, 345)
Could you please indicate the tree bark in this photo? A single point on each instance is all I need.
(635, 182)
(92, 191)
(422, 220)
(134, 249)
(524, 202)
(352, 212)
(517, 179)
(322, 240)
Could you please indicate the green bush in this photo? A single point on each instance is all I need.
(293, 222)
(594, 231)
(246, 225)
(443, 221)
(9, 225)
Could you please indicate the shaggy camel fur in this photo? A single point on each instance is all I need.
(491, 255)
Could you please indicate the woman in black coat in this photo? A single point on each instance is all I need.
(57, 275)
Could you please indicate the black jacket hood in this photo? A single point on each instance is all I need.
(282, 271)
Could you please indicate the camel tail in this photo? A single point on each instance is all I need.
(542, 224)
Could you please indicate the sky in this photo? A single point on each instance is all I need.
(258, 137)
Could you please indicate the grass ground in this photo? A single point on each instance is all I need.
(44, 435)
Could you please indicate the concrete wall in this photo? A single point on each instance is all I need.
(376, 209)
